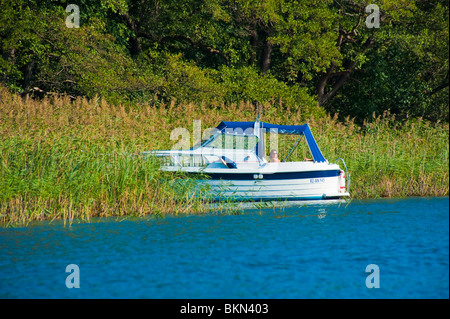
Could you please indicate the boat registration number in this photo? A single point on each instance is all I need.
(316, 180)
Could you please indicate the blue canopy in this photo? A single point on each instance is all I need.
(280, 129)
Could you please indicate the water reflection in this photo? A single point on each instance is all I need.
(275, 204)
(322, 213)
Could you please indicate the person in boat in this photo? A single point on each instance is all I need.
(274, 156)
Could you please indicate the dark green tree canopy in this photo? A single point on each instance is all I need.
(299, 53)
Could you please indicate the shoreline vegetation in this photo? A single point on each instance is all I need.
(63, 159)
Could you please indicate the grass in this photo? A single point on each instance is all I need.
(388, 158)
(68, 160)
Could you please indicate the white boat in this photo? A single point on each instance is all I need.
(232, 162)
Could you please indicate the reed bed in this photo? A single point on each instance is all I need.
(62, 159)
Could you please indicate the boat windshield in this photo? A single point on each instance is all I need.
(232, 141)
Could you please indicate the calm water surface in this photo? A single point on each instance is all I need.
(317, 251)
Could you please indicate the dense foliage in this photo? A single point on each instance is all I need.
(293, 53)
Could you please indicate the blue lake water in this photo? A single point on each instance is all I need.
(313, 251)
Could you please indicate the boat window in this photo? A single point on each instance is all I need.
(294, 147)
(185, 160)
(233, 141)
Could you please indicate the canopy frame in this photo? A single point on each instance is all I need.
(262, 127)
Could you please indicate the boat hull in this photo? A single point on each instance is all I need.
(319, 185)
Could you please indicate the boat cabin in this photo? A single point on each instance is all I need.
(239, 144)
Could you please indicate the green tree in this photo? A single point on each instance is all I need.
(406, 72)
(270, 50)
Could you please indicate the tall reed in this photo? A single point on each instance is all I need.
(63, 159)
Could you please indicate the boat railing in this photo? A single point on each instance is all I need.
(186, 160)
(347, 173)
(201, 159)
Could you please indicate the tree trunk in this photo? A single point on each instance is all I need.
(28, 74)
(266, 54)
(135, 45)
(341, 77)
(253, 44)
